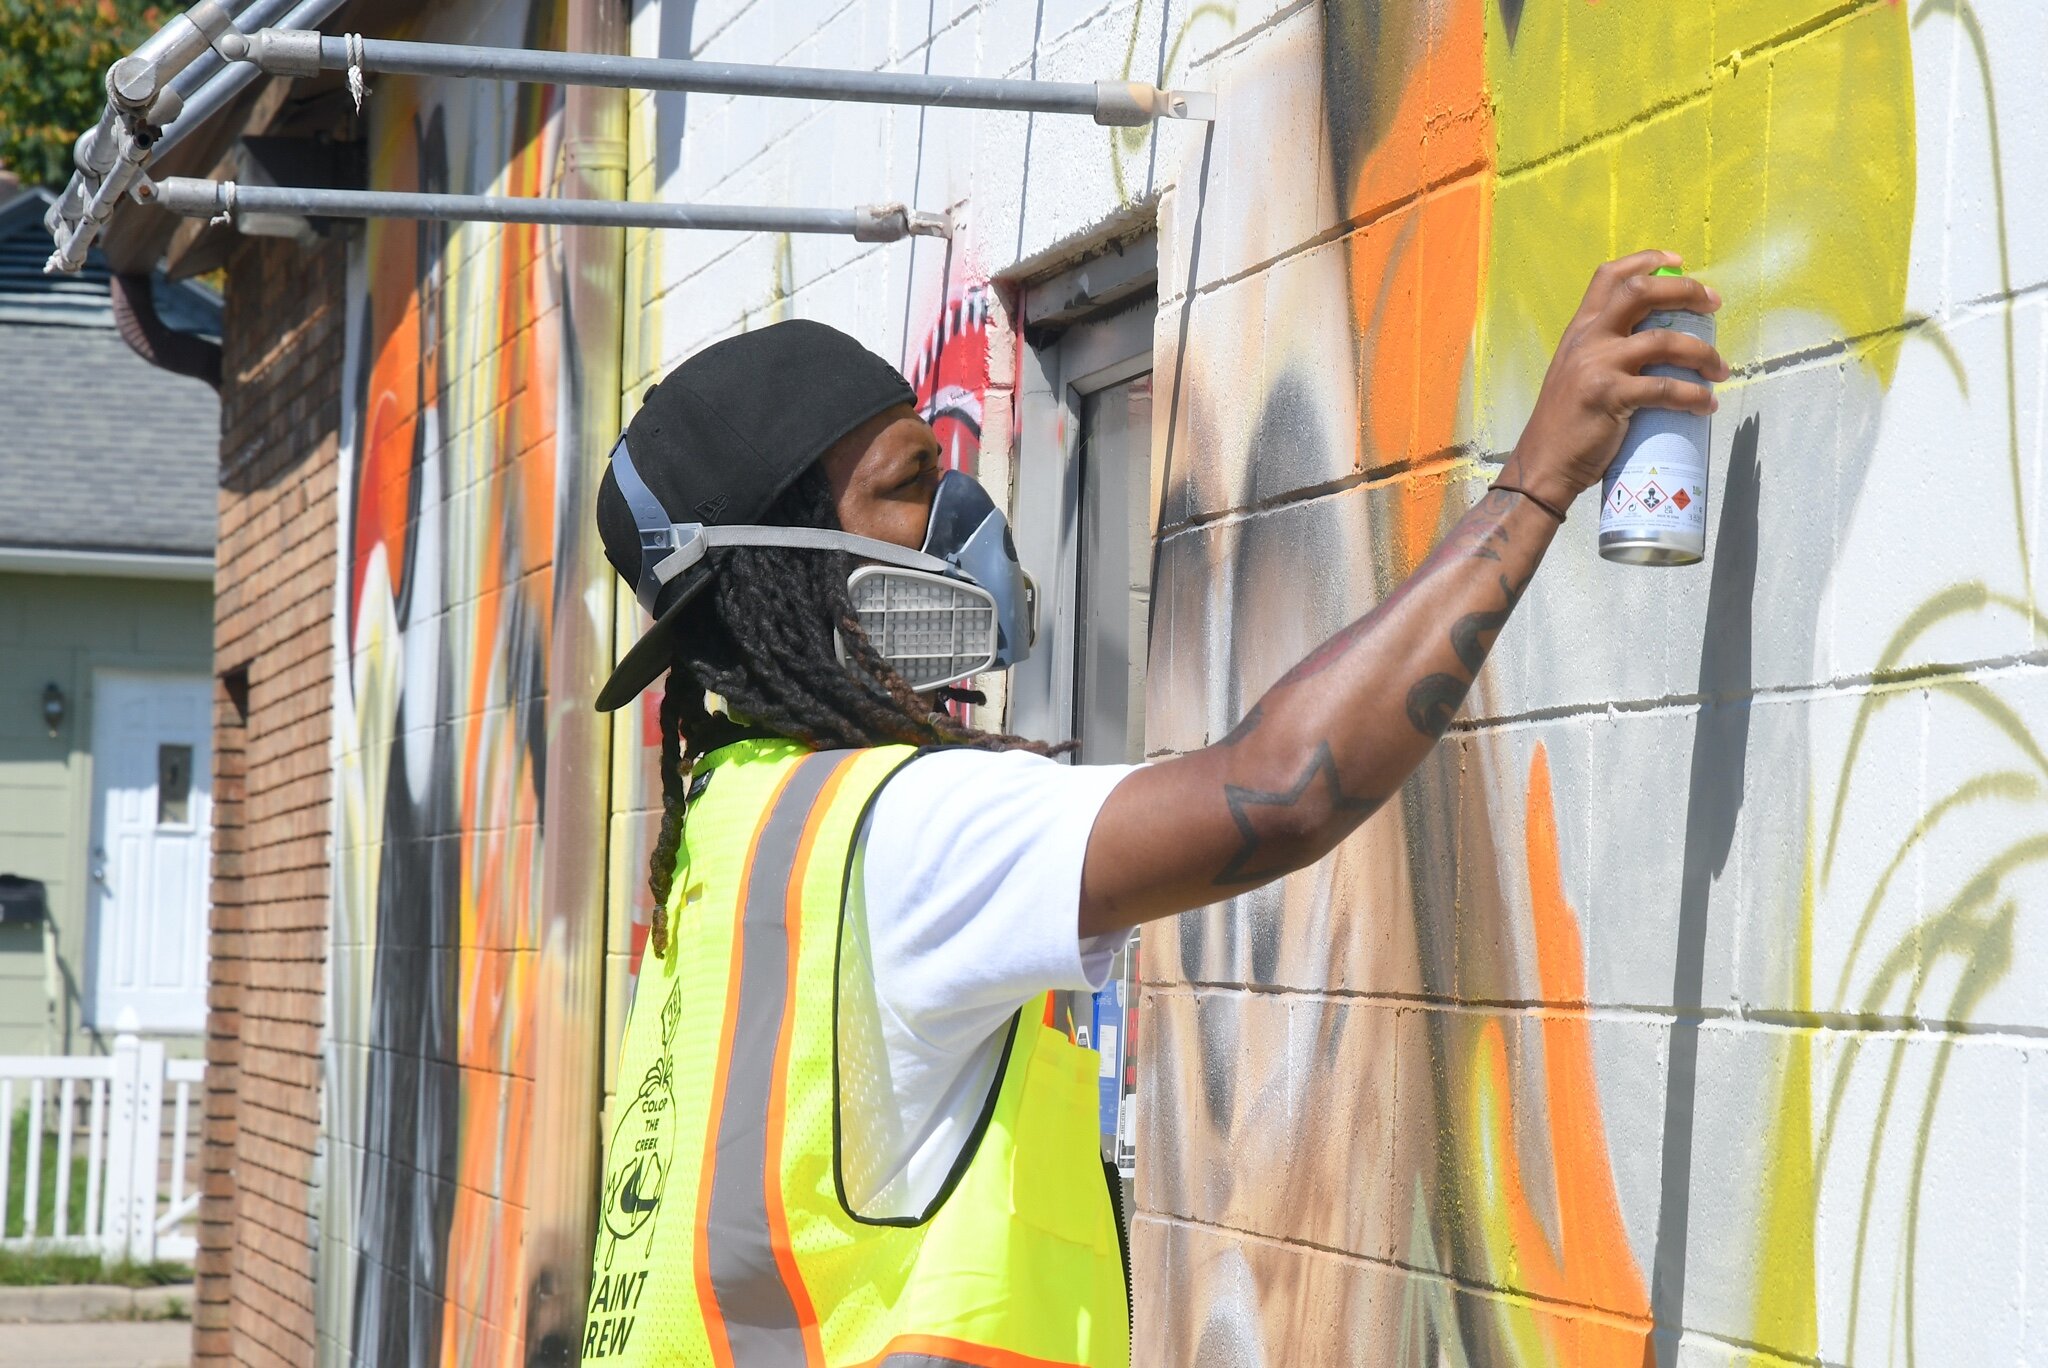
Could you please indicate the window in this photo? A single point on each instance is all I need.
(1113, 589)
(173, 785)
(1084, 521)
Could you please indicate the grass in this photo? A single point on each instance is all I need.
(54, 1268)
(46, 1186)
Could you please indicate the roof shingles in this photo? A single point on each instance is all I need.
(99, 450)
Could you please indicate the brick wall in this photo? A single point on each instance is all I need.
(273, 644)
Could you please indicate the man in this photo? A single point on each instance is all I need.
(846, 1135)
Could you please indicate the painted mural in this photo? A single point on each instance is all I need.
(1674, 980)
(1682, 1004)
(950, 375)
(441, 1241)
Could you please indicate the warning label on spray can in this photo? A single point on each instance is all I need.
(1653, 507)
(1660, 489)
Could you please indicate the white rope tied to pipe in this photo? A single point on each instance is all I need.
(227, 212)
(357, 87)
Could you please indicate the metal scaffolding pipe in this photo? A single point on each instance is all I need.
(211, 81)
(294, 52)
(191, 67)
(197, 198)
(184, 83)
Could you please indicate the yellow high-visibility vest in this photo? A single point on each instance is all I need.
(723, 1239)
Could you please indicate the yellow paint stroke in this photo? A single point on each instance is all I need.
(1126, 143)
(1770, 142)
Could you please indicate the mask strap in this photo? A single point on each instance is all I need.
(668, 548)
(657, 532)
(693, 540)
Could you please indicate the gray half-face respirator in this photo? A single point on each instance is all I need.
(956, 608)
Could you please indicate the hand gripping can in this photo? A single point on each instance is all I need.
(1653, 506)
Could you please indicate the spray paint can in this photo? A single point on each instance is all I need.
(1653, 506)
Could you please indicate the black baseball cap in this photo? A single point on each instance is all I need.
(718, 439)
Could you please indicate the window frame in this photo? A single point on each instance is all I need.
(1086, 357)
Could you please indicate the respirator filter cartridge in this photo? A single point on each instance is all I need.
(933, 630)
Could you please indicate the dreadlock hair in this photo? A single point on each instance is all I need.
(761, 637)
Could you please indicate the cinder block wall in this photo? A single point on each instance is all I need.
(273, 787)
(1691, 990)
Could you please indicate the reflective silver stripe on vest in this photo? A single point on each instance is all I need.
(937, 1361)
(760, 1317)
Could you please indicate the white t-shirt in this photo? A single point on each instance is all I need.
(963, 905)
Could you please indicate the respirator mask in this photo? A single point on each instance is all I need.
(959, 606)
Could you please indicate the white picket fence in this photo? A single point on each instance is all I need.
(138, 1204)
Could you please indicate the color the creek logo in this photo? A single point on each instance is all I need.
(642, 1148)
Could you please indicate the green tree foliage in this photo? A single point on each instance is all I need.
(54, 56)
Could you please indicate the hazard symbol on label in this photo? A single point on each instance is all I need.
(1651, 497)
(1622, 496)
(1682, 499)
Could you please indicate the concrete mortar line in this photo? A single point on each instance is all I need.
(730, 20)
(1806, 357)
(1650, 113)
(2018, 1035)
(1811, 26)
(1492, 1290)
(1990, 304)
(1237, 42)
(823, 108)
(959, 20)
(1841, 686)
(1379, 477)
(779, 58)
(1451, 1280)
(1050, 47)
(1345, 227)
(706, 341)
(1782, 363)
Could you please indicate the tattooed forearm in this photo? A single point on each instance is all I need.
(1253, 809)
(1344, 735)
(1473, 538)
(1436, 698)
(1467, 630)
(1434, 701)
(1246, 725)
(1478, 538)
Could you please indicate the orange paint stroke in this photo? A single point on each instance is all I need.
(1416, 267)
(1591, 1263)
(511, 606)
(401, 372)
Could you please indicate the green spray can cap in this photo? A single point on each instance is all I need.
(1667, 270)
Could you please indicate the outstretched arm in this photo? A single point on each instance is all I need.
(1340, 732)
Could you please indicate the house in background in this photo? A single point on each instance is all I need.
(108, 494)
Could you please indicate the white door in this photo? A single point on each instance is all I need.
(152, 764)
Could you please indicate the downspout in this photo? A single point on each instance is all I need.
(154, 340)
(566, 1149)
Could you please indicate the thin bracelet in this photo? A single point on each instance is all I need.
(1546, 505)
